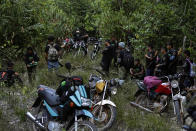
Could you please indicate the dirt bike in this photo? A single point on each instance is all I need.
(48, 114)
(104, 109)
(78, 46)
(96, 49)
(157, 99)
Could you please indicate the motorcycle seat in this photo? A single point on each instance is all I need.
(49, 95)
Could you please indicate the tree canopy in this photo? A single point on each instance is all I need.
(28, 22)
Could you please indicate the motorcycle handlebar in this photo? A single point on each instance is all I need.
(62, 76)
(171, 77)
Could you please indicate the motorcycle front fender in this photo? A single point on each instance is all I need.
(37, 102)
(105, 102)
(84, 113)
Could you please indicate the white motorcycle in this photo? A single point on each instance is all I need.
(104, 109)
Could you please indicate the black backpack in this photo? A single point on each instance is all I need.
(128, 59)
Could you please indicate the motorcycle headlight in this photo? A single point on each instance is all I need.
(113, 91)
(174, 84)
(86, 102)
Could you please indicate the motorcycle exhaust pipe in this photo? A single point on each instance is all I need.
(33, 119)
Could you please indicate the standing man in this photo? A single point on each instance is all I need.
(173, 59)
(107, 57)
(163, 65)
(125, 59)
(52, 53)
(31, 60)
(114, 43)
(188, 71)
(150, 61)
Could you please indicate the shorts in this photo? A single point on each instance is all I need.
(52, 65)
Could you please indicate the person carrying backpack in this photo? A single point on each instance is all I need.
(189, 73)
(125, 58)
(31, 60)
(52, 51)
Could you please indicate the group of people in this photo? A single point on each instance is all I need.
(53, 52)
(158, 63)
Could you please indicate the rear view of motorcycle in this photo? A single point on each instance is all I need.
(49, 116)
(104, 109)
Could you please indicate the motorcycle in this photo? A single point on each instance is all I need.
(48, 115)
(96, 49)
(104, 109)
(78, 46)
(157, 99)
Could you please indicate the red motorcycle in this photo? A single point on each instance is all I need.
(157, 99)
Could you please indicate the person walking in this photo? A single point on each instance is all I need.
(31, 60)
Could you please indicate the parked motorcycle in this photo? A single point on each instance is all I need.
(78, 46)
(157, 99)
(104, 109)
(97, 46)
(49, 116)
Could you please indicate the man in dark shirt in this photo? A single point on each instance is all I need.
(173, 59)
(125, 59)
(188, 79)
(31, 60)
(164, 62)
(11, 75)
(114, 43)
(137, 71)
(107, 57)
(150, 61)
(52, 53)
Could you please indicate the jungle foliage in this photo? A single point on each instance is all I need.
(28, 22)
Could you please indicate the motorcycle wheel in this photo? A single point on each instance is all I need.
(142, 100)
(93, 54)
(84, 126)
(108, 117)
(179, 116)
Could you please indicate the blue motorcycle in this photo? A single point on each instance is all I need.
(48, 114)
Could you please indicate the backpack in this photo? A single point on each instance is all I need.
(192, 72)
(52, 53)
(127, 59)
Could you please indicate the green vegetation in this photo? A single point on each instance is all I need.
(26, 23)
(128, 118)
